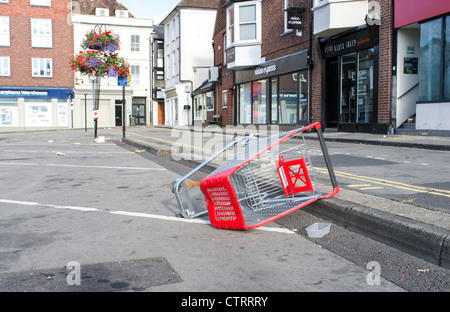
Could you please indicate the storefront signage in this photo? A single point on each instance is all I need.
(295, 18)
(357, 41)
(265, 70)
(288, 64)
(35, 93)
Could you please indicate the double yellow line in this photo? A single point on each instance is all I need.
(387, 183)
(398, 185)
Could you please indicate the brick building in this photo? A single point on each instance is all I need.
(36, 81)
(294, 62)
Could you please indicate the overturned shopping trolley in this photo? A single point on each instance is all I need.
(265, 179)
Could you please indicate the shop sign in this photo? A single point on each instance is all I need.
(357, 41)
(265, 70)
(35, 93)
(295, 18)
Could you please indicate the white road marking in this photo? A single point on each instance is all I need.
(136, 214)
(82, 166)
(107, 167)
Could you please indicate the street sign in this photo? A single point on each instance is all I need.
(123, 81)
(95, 114)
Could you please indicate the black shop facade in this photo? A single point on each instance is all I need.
(350, 97)
(274, 93)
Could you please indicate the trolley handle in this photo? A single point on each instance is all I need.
(326, 156)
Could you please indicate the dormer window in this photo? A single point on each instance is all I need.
(121, 13)
(101, 12)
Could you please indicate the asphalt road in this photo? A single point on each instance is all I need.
(107, 207)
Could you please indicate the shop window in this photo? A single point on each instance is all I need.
(285, 102)
(434, 61)
(259, 102)
(430, 60)
(274, 101)
(245, 105)
(288, 99)
(303, 93)
(357, 87)
(447, 60)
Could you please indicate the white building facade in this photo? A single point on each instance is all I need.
(188, 57)
(135, 47)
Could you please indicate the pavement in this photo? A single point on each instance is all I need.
(420, 232)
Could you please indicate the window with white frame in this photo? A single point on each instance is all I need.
(101, 12)
(42, 67)
(41, 2)
(135, 43)
(41, 33)
(244, 23)
(230, 25)
(121, 13)
(4, 31)
(135, 74)
(4, 66)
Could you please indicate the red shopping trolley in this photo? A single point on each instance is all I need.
(266, 179)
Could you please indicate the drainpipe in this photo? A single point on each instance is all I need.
(310, 61)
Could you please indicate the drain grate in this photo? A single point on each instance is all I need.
(130, 275)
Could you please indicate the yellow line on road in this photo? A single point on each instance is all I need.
(394, 184)
(399, 185)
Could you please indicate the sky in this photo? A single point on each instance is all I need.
(155, 9)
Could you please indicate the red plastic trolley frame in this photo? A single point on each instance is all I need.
(261, 188)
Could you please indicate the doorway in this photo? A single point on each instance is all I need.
(138, 110)
(161, 115)
(332, 98)
(119, 114)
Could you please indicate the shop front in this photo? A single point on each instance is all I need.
(423, 63)
(275, 93)
(35, 108)
(351, 82)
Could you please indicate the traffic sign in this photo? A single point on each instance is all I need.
(123, 81)
(95, 114)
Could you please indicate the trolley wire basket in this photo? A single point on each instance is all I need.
(266, 179)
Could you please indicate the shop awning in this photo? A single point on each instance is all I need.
(207, 86)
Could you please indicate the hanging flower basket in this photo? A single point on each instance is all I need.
(99, 57)
(101, 41)
(98, 64)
